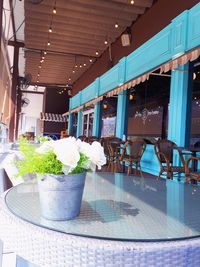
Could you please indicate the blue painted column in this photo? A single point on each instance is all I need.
(180, 106)
(70, 123)
(79, 123)
(97, 119)
(121, 120)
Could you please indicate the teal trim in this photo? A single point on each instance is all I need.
(90, 92)
(97, 118)
(79, 123)
(179, 92)
(193, 38)
(109, 80)
(121, 114)
(181, 35)
(151, 54)
(70, 123)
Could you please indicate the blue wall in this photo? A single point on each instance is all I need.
(180, 36)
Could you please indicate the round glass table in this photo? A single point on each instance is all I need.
(122, 207)
(122, 217)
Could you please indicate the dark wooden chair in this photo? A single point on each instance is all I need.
(91, 139)
(189, 172)
(82, 137)
(132, 152)
(164, 152)
(114, 146)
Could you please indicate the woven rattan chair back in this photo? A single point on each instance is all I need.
(132, 152)
(91, 139)
(82, 137)
(189, 173)
(113, 146)
(164, 152)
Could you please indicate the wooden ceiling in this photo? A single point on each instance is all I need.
(79, 30)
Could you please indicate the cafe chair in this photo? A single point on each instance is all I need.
(91, 139)
(1, 252)
(132, 152)
(113, 147)
(82, 137)
(189, 172)
(164, 152)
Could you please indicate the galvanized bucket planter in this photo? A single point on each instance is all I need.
(61, 195)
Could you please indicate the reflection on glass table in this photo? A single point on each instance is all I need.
(121, 207)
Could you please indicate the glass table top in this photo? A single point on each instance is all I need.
(120, 207)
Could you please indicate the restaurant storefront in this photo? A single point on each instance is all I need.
(160, 77)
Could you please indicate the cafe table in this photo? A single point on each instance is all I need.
(125, 220)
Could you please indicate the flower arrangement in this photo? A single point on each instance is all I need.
(64, 156)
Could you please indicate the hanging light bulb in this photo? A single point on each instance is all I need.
(76, 66)
(131, 97)
(73, 71)
(116, 25)
(97, 53)
(90, 60)
(80, 66)
(132, 2)
(84, 64)
(105, 105)
(48, 43)
(39, 66)
(45, 52)
(54, 10)
(43, 57)
(50, 29)
(105, 42)
(69, 79)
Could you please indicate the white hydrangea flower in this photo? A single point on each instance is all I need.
(46, 147)
(95, 153)
(67, 151)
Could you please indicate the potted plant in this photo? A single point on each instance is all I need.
(60, 168)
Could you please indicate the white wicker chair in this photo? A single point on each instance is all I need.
(49, 248)
(1, 252)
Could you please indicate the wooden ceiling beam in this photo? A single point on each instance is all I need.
(114, 5)
(55, 53)
(142, 3)
(81, 10)
(91, 48)
(36, 19)
(96, 8)
(82, 37)
(79, 15)
(71, 50)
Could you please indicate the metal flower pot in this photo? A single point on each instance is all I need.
(61, 195)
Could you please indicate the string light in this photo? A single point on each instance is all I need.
(132, 2)
(116, 25)
(84, 64)
(54, 10)
(50, 29)
(80, 66)
(90, 60)
(48, 43)
(45, 52)
(97, 53)
(105, 42)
